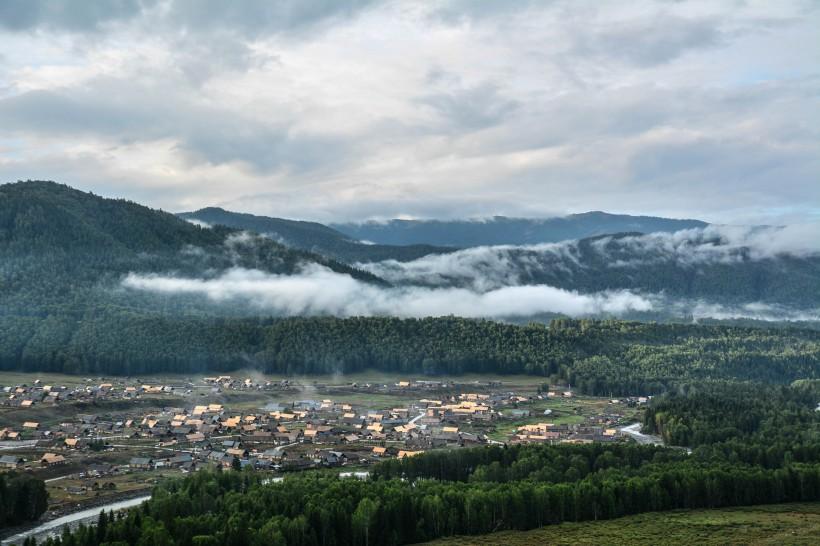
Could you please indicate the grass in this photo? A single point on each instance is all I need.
(48, 415)
(570, 411)
(306, 387)
(776, 524)
(58, 496)
(368, 376)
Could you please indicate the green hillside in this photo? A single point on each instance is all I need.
(629, 261)
(313, 237)
(501, 230)
(63, 250)
(775, 524)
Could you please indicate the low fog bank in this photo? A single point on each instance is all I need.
(754, 311)
(503, 282)
(728, 244)
(320, 291)
(490, 267)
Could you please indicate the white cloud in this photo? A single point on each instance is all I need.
(492, 267)
(723, 244)
(319, 291)
(754, 311)
(199, 223)
(481, 268)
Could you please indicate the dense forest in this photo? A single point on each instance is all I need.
(505, 488)
(313, 237)
(23, 498)
(706, 269)
(760, 424)
(63, 252)
(597, 357)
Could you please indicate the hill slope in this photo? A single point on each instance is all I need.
(63, 248)
(64, 255)
(501, 230)
(702, 266)
(767, 524)
(312, 236)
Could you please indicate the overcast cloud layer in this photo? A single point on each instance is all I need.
(335, 110)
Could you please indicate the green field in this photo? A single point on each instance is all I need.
(369, 376)
(329, 386)
(782, 524)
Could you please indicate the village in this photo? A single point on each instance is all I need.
(105, 438)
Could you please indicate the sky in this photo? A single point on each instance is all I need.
(334, 111)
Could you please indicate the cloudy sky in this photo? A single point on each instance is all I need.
(333, 110)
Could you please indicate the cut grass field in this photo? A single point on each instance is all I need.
(570, 411)
(335, 387)
(367, 376)
(781, 524)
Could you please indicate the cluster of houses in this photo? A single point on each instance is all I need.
(229, 383)
(26, 396)
(549, 433)
(16, 462)
(295, 435)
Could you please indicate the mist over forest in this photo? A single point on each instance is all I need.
(376, 272)
(125, 254)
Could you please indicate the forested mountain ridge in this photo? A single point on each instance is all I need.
(312, 236)
(63, 307)
(701, 269)
(41, 216)
(501, 230)
(62, 249)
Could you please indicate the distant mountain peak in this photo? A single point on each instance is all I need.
(312, 236)
(503, 230)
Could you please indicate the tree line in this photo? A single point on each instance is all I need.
(235, 508)
(23, 498)
(767, 425)
(596, 357)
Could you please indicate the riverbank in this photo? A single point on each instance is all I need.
(634, 431)
(57, 518)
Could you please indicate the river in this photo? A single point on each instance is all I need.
(634, 431)
(55, 526)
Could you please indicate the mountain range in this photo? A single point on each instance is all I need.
(89, 283)
(695, 268)
(61, 246)
(589, 253)
(69, 250)
(500, 230)
(312, 237)
(407, 240)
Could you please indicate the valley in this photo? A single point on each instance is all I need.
(353, 389)
(382, 273)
